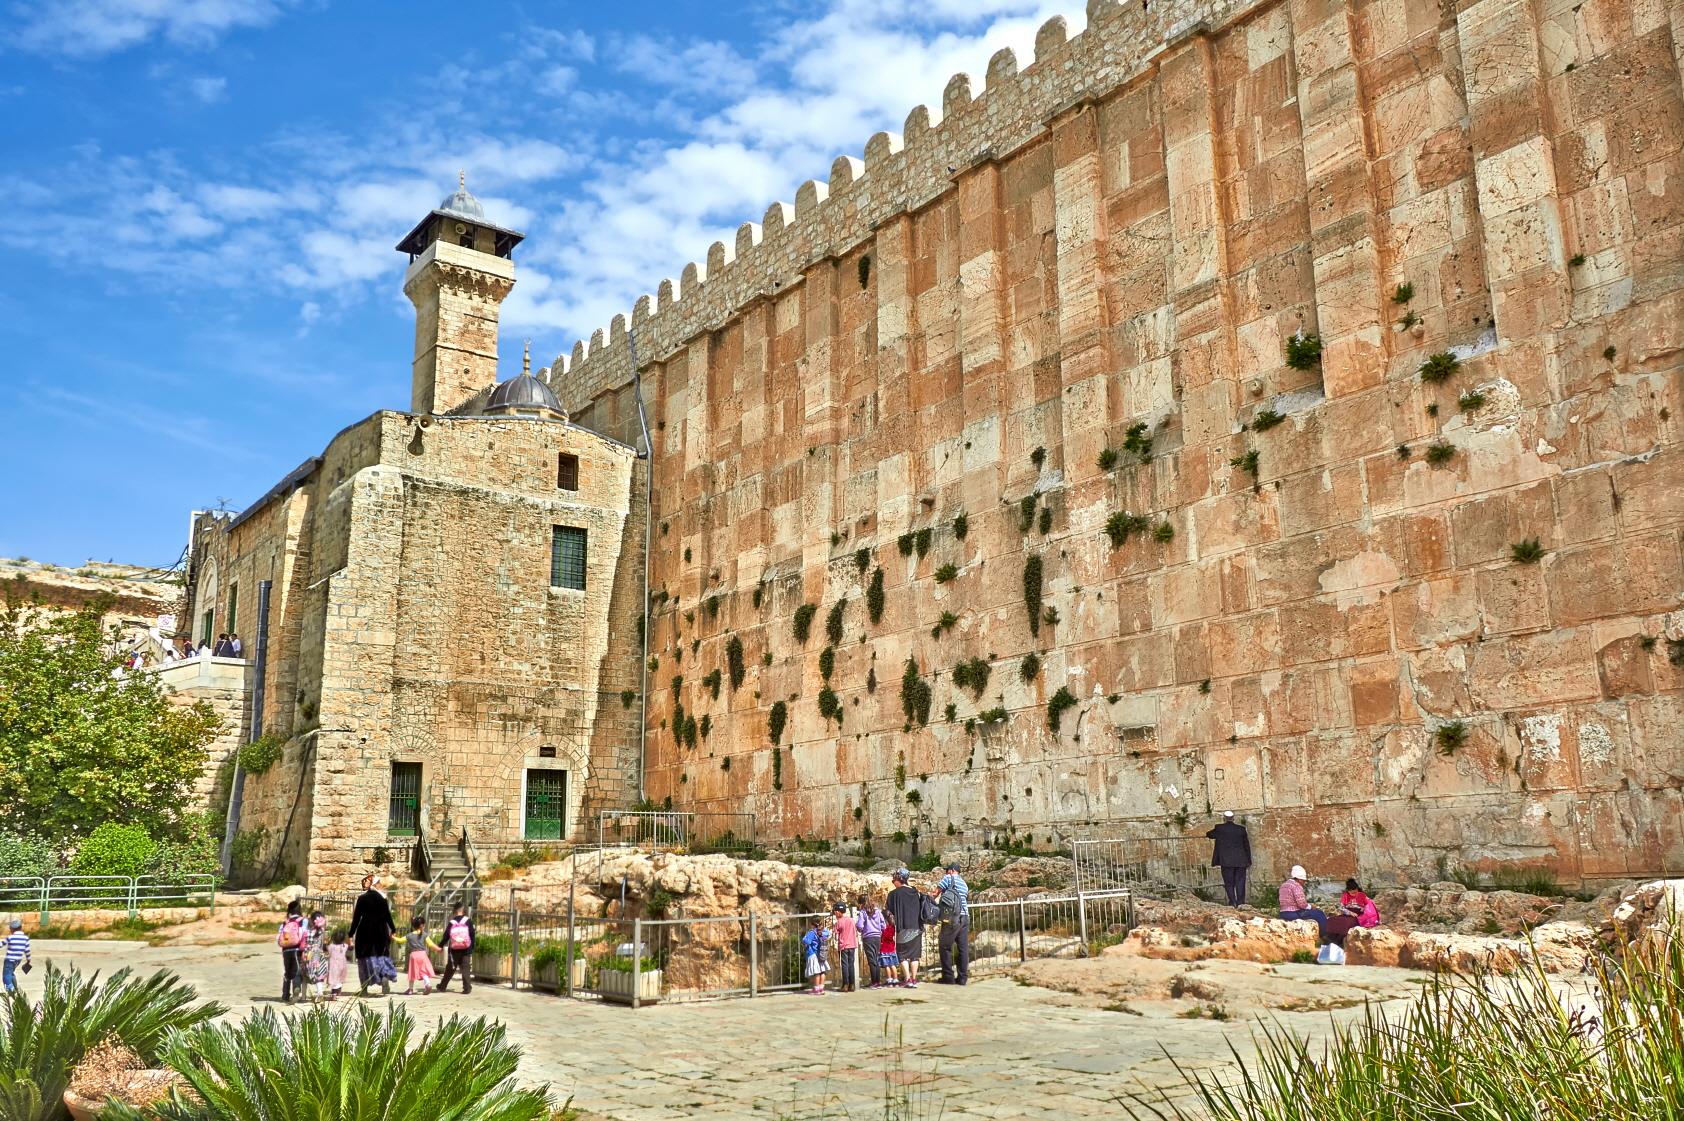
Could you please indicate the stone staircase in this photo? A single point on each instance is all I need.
(453, 881)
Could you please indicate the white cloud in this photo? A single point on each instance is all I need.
(208, 91)
(86, 28)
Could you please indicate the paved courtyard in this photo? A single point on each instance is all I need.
(995, 1049)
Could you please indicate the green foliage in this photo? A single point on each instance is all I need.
(759, 595)
(775, 720)
(1107, 459)
(778, 763)
(915, 694)
(1050, 616)
(1204, 687)
(1032, 591)
(1163, 533)
(1608, 352)
(1038, 457)
(1046, 519)
(1438, 367)
(871, 680)
(952, 712)
(802, 625)
(827, 662)
(40, 1044)
(351, 1066)
(862, 559)
(1120, 526)
(711, 681)
(995, 715)
(712, 604)
(1026, 512)
(191, 852)
(904, 544)
(260, 754)
(1470, 400)
(1061, 701)
(114, 849)
(830, 705)
(1303, 352)
(833, 621)
(1247, 462)
(1448, 737)
(1137, 441)
(1439, 453)
(1675, 651)
(1529, 551)
(946, 623)
(1403, 293)
(961, 525)
(972, 675)
(1403, 451)
(874, 598)
(26, 856)
(1030, 667)
(946, 573)
(247, 846)
(734, 662)
(1577, 260)
(627, 696)
(1265, 420)
(81, 745)
(921, 542)
(677, 685)
(686, 554)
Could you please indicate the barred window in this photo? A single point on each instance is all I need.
(567, 558)
(567, 472)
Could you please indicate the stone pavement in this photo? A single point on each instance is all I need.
(995, 1049)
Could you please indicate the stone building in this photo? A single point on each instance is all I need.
(455, 600)
(1270, 404)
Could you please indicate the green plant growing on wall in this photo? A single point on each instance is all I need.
(775, 721)
(262, 753)
(759, 595)
(1026, 512)
(833, 622)
(1432, 408)
(678, 724)
(1438, 367)
(1204, 687)
(1608, 352)
(1249, 463)
(707, 725)
(871, 680)
(1050, 616)
(1577, 260)
(1403, 451)
(921, 542)
(874, 598)
(1120, 526)
(678, 655)
(677, 684)
(627, 696)
(862, 559)
(1265, 420)
(835, 538)
(1107, 459)
(952, 712)
(1056, 707)
(777, 767)
(1137, 441)
(1038, 457)
(1448, 737)
(802, 625)
(1407, 320)
(1675, 651)
(830, 706)
(904, 544)
(1528, 551)
(961, 525)
(713, 607)
(712, 681)
(734, 662)
(900, 774)
(915, 694)
(1439, 453)
(946, 623)
(1032, 591)
(1470, 401)
(1030, 667)
(946, 573)
(1046, 519)
(686, 554)
(1164, 533)
(914, 797)
(654, 663)
(1403, 293)
(1303, 352)
(972, 675)
(827, 662)
(766, 658)
(995, 715)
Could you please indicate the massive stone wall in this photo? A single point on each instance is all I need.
(1337, 637)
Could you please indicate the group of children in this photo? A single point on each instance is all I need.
(316, 963)
(873, 932)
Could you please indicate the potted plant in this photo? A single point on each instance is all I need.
(493, 957)
(543, 967)
(614, 979)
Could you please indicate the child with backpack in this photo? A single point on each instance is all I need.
(886, 955)
(290, 938)
(815, 951)
(419, 949)
(338, 964)
(458, 949)
(315, 956)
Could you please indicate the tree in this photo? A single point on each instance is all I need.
(80, 744)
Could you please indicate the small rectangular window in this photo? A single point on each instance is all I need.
(567, 558)
(567, 472)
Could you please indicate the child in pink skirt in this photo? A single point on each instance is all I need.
(338, 961)
(420, 961)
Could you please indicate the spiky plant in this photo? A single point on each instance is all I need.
(331, 1067)
(41, 1043)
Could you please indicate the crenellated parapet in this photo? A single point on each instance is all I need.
(898, 174)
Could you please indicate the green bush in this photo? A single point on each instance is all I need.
(192, 853)
(260, 754)
(26, 856)
(331, 1066)
(40, 1044)
(115, 850)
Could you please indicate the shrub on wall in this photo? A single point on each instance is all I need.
(775, 721)
(833, 622)
(1061, 700)
(734, 662)
(1303, 351)
(921, 542)
(961, 526)
(946, 573)
(972, 675)
(827, 662)
(711, 683)
(802, 625)
(874, 598)
(1032, 592)
(862, 559)
(1026, 512)
(1120, 526)
(915, 694)
(1030, 666)
(1138, 442)
(830, 705)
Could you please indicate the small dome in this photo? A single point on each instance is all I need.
(522, 393)
(461, 202)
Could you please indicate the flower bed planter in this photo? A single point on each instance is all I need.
(548, 977)
(493, 967)
(616, 985)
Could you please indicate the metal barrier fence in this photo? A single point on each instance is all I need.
(116, 893)
(639, 961)
(691, 832)
(1147, 864)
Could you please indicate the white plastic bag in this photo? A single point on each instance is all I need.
(1331, 954)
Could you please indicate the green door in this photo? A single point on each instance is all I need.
(546, 804)
(403, 819)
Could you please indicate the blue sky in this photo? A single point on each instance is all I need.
(200, 286)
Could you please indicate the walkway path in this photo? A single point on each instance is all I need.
(995, 1049)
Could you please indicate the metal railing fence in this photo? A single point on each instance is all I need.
(45, 894)
(1146, 864)
(703, 831)
(642, 960)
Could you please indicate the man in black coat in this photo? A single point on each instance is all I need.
(1232, 855)
(372, 929)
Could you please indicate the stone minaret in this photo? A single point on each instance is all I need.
(460, 268)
